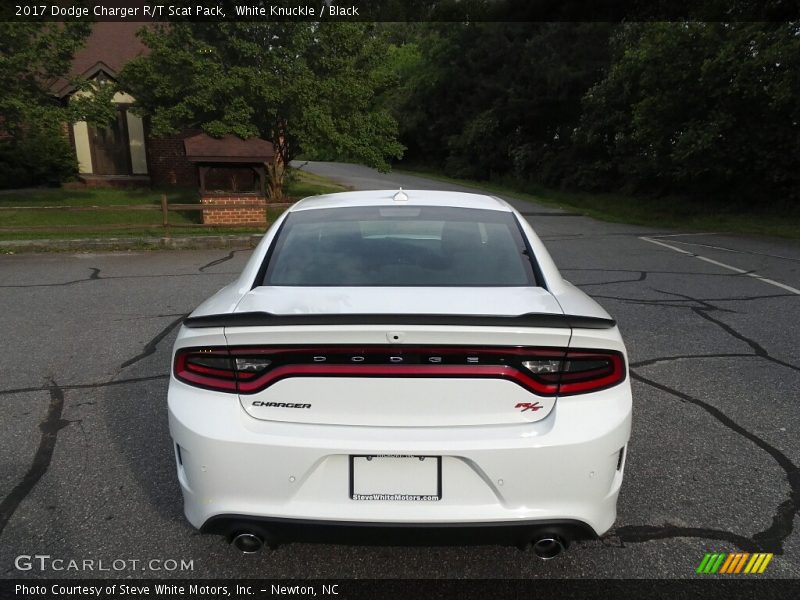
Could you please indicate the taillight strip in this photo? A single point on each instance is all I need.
(495, 362)
(433, 371)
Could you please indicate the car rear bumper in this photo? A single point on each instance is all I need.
(276, 530)
(564, 468)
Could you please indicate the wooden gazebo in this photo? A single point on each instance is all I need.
(233, 177)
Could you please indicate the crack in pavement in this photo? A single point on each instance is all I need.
(95, 276)
(661, 303)
(642, 277)
(84, 386)
(704, 303)
(49, 427)
(772, 538)
(769, 540)
(221, 260)
(637, 534)
(673, 302)
(650, 272)
(140, 317)
(150, 347)
(758, 349)
(654, 361)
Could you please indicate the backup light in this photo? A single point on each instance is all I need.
(541, 367)
(253, 365)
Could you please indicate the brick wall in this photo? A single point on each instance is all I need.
(226, 212)
(166, 161)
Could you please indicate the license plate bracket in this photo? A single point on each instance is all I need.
(395, 477)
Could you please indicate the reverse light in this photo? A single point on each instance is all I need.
(252, 365)
(541, 367)
(542, 371)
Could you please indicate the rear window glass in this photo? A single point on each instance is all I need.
(399, 246)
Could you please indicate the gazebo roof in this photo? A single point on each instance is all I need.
(203, 148)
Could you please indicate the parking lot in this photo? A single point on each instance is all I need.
(711, 324)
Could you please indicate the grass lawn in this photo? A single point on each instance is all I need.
(68, 224)
(673, 213)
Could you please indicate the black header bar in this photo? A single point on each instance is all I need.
(388, 589)
(399, 10)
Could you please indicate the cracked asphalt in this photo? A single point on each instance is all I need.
(711, 324)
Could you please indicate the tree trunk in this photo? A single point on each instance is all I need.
(276, 174)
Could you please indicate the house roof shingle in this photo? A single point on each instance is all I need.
(109, 47)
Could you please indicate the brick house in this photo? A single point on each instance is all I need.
(124, 152)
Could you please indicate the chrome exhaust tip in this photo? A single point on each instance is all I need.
(547, 548)
(247, 543)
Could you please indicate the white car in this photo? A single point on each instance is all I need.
(401, 363)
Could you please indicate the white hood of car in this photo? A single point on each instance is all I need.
(500, 301)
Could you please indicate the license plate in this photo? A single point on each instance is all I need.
(396, 477)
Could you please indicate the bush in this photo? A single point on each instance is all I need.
(42, 155)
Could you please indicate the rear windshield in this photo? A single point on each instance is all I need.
(399, 246)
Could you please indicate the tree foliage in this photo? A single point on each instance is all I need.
(500, 99)
(710, 110)
(707, 109)
(306, 87)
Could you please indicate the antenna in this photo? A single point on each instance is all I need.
(400, 196)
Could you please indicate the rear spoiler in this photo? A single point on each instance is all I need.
(265, 319)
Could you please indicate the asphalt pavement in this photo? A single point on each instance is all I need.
(711, 324)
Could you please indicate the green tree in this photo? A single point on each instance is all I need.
(303, 86)
(500, 99)
(705, 109)
(32, 57)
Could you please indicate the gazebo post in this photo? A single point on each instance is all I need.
(203, 170)
(260, 173)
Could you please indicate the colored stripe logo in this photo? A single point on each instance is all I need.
(734, 564)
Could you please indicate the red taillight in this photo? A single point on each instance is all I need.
(587, 371)
(543, 371)
(206, 368)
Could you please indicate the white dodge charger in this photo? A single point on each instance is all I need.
(409, 364)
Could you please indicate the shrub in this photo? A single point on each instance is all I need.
(41, 155)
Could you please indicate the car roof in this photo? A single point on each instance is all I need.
(415, 198)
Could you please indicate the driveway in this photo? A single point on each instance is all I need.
(711, 323)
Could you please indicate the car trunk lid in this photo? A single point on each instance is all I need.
(387, 357)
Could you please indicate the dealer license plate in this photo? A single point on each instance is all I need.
(396, 478)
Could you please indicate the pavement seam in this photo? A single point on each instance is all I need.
(758, 349)
(752, 274)
(772, 538)
(218, 261)
(150, 347)
(49, 427)
(84, 386)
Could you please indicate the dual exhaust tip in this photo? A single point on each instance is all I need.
(247, 543)
(549, 547)
(546, 548)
